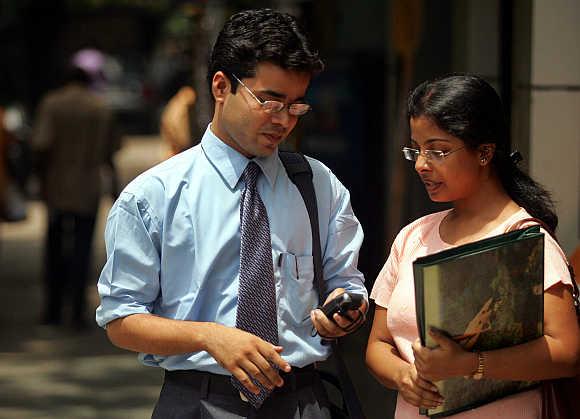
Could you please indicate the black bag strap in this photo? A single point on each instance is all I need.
(300, 173)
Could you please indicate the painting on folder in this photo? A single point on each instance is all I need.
(485, 295)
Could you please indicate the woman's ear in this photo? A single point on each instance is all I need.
(220, 86)
(486, 152)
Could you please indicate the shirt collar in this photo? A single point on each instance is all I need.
(231, 164)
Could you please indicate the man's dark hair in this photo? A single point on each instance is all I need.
(255, 36)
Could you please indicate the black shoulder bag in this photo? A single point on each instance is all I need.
(300, 173)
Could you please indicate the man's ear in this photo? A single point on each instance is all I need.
(220, 86)
(486, 152)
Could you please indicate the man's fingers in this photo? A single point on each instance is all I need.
(266, 374)
(324, 325)
(335, 293)
(262, 365)
(244, 378)
(259, 375)
(272, 355)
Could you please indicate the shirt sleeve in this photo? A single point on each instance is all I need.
(345, 236)
(388, 276)
(129, 282)
(555, 263)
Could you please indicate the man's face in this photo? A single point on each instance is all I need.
(240, 121)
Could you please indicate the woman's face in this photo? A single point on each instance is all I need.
(456, 175)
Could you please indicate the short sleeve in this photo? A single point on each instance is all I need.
(555, 264)
(129, 282)
(387, 278)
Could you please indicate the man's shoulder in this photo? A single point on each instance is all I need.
(167, 174)
(317, 165)
(321, 173)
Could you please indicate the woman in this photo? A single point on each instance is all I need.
(460, 149)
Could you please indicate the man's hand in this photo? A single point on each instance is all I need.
(418, 391)
(329, 329)
(447, 360)
(246, 355)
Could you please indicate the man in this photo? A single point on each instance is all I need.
(185, 266)
(74, 139)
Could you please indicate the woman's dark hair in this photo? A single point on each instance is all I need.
(254, 36)
(468, 108)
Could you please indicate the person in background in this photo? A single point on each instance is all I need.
(3, 174)
(74, 139)
(459, 145)
(209, 271)
(175, 125)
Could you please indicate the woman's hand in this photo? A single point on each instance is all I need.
(447, 360)
(418, 391)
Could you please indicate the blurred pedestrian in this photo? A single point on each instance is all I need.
(3, 176)
(74, 138)
(14, 164)
(175, 124)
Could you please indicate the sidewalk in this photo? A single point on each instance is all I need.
(51, 373)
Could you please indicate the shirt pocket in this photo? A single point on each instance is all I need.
(298, 294)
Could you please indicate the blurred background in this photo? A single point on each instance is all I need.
(141, 52)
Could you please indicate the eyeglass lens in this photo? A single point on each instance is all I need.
(274, 106)
(413, 154)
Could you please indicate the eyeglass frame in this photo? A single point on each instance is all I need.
(430, 155)
(264, 103)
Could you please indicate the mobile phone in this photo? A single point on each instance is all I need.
(341, 304)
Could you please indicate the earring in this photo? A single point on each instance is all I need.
(483, 160)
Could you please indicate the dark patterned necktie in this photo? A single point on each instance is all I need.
(257, 294)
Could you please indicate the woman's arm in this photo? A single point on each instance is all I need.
(385, 363)
(556, 354)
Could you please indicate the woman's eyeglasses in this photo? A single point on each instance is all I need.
(274, 106)
(412, 154)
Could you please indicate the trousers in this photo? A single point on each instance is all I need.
(189, 394)
(67, 261)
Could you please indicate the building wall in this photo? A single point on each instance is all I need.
(555, 110)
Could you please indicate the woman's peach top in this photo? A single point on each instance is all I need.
(394, 291)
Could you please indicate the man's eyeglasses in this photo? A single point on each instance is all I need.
(274, 106)
(412, 154)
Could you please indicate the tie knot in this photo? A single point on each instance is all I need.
(251, 174)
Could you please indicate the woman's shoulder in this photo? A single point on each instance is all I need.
(554, 256)
(419, 233)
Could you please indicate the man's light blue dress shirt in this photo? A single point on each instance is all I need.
(173, 248)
